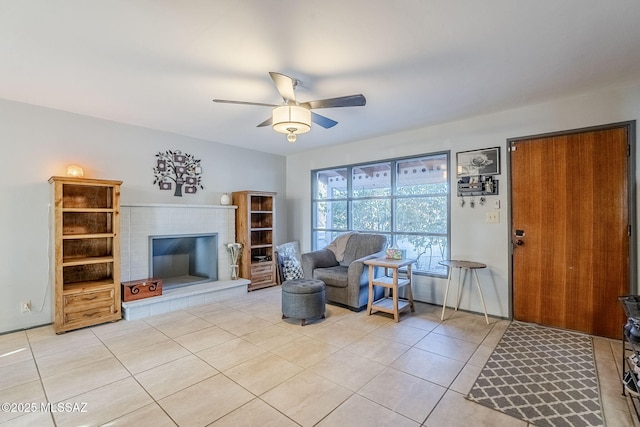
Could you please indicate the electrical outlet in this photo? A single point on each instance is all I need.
(493, 216)
(25, 306)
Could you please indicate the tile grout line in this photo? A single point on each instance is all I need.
(132, 376)
(35, 362)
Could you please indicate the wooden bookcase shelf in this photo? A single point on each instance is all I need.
(86, 260)
(86, 246)
(255, 220)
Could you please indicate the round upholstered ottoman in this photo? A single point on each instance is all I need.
(303, 299)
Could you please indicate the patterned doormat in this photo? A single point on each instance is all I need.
(543, 376)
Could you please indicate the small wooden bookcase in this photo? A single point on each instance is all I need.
(255, 229)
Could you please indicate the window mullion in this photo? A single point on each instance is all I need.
(349, 198)
(394, 166)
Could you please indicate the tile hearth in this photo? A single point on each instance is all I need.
(181, 297)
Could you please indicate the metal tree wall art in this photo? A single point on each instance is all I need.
(181, 169)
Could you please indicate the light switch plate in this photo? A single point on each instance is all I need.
(496, 204)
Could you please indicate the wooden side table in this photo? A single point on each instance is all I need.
(469, 265)
(390, 281)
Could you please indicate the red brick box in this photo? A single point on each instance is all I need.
(139, 289)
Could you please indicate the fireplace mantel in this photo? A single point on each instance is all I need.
(175, 205)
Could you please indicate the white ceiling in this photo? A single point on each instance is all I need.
(159, 63)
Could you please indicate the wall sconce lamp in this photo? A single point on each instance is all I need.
(291, 120)
(75, 171)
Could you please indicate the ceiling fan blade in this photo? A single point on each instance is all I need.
(323, 121)
(342, 101)
(285, 86)
(267, 122)
(226, 101)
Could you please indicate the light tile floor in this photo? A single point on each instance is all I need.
(237, 363)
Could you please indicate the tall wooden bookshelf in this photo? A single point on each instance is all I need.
(86, 246)
(255, 229)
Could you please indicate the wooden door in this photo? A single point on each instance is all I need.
(570, 229)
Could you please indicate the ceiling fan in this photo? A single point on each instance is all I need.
(292, 117)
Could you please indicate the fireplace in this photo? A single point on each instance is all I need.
(185, 259)
(139, 221)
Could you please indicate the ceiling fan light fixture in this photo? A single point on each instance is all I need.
(291, 120)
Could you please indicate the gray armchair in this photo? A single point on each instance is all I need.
(345, 275)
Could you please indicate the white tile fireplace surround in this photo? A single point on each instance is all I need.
(139, 221)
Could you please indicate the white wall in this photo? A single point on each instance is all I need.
(471, 237)
(38, 142)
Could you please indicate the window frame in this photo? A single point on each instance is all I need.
(393, 197)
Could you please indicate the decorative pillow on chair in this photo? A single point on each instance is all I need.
(289, 255)
(292, 269)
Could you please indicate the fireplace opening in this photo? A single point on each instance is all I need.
(185, 259)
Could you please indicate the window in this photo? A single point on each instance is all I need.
(405, 199)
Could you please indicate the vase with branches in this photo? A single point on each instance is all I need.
(235, 251)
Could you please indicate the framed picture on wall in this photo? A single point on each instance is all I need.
(478, 162)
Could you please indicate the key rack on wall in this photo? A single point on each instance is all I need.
(477, 186)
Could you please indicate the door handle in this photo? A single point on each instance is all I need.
(518, 234)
